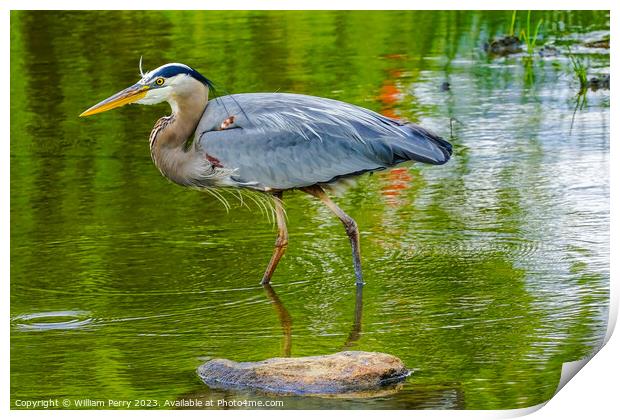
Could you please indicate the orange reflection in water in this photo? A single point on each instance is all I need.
(394, 182)
(390, 95)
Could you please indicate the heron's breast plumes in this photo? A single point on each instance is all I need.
(181, 163)
(160, 125)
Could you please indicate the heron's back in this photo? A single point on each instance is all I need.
(283, 141)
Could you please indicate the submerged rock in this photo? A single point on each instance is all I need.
(602, 43)
(548, 51)
(596, 83)
(344, 372)
(503, 46)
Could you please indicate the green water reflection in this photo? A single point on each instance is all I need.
(483, 275)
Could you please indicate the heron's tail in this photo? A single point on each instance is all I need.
(422, 145)
(442, 143)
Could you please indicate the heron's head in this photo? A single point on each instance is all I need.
(170, 82)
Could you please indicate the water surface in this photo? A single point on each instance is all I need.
(483, 275)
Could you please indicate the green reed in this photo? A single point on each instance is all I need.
(530, 38)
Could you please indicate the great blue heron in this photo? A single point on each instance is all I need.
(270, 142)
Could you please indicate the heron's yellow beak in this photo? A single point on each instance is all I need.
(131, 94)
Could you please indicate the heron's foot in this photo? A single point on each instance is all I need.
(350, 227)
(227, 122)
(278, 251)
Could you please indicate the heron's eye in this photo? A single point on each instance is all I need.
(159, 81)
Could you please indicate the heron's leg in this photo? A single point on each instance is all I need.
(349, 225)
(281, 240)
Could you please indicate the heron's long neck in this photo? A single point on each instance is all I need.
(170, 135)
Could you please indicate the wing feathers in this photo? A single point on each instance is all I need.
(288, 141)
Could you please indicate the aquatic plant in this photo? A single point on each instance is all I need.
(526, 34)
(581, 101)
(511, 32)
(580, 71)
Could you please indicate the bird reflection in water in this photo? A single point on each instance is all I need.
(286, 321)
(356, 330)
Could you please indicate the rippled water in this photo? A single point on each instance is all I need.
(483, 275)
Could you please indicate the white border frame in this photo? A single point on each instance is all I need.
(593, 393)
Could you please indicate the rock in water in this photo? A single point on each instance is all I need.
(503, 46)
(344, 372)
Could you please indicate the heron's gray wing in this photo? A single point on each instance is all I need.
(283, 141)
